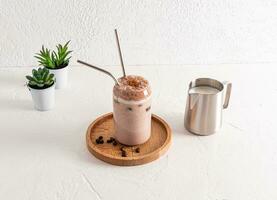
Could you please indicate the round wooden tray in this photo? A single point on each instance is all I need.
(155, 147)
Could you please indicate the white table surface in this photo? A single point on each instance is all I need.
(43, 154)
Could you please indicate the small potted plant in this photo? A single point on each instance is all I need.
(56, 62)
(42, 87)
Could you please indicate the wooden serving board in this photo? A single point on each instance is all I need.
(154, 148)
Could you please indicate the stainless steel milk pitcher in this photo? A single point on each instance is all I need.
(206, 100)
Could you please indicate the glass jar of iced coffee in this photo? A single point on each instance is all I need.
(132, 110)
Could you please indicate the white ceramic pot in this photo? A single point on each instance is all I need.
(44, 99)
(60, 76)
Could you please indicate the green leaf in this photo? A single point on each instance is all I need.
(63, 57)
(45, 75)
(30, 78)
(54, 59)
(49, 82)
(35, 74)
(67, 60)
(51, 76)
(40, 84)
(40, 71)
(66, 44)
(32, 83)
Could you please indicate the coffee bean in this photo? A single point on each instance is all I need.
(100, 137)
(123, 154)
(112, 140)
(137, 150)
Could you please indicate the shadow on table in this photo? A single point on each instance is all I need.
(176, 122)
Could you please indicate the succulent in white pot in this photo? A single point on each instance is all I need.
(42, 87)
(57, 62)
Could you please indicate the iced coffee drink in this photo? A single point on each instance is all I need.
(132, 110)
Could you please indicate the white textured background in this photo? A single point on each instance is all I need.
(152, 32)
(43, 154)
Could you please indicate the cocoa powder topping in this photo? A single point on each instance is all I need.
(132, 88)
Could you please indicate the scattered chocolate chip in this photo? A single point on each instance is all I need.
(123, 154)
(137, 150)
(110, 140)
(147, 109)
(99, 140)
(130, 109)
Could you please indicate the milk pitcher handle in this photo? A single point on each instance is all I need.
(227, 93)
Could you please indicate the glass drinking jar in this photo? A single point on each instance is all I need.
(132, 110)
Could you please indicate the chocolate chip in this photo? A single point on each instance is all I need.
(100, 137)
(130, 109)
(147, 109)
(99, 141)
(109, 141)
(114, 143)
(123, 154)
(137, 150)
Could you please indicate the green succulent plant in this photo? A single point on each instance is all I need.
(55, 59)
(40, 78)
